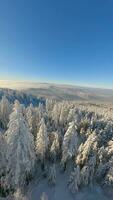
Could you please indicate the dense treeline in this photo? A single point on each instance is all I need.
(21, 96)
(33, 140)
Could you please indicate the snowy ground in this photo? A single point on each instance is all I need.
(61, 192)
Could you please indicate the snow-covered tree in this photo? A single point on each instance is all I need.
(109, 175)
(87, 159)
(75, 180)
(42, 142)
(49, 107)
(3, 164)
(101, 171)
(20, 151)
(31, 119)
(56, 113)
(103, 164)
(87, 149)
(18, 195)
(41, 111)
(109, 172)
(55, 147)
(71, 115)
(92, 167)
(5, 110)
(110, 148)
(85, 175)
(88, 171)
(70, 143)
(64, 113)
(52, 175)
(79, 134)
(2, 155)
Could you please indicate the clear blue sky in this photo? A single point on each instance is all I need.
(68, 41)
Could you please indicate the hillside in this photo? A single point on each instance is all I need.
(67, 92)
(34, 90)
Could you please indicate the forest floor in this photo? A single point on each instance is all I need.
(61, 192)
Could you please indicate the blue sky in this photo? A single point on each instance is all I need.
(62, 41)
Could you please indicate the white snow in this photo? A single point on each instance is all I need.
(61, 192)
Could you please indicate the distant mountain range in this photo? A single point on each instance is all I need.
(60, 92)
(65, 92)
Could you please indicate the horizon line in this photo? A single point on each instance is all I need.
(15, 84)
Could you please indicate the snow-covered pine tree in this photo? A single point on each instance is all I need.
(109, 175)
(84, 151)
(56, 113)
(64, 113)
(52, 175)
(42, 142)
(2, 154)
(75, 180)
(55, 147)
(103, 164)
(92, 167)
(85, 175)
(5, 109)
(110, 148)
(3, 164)
(71, 115)
(49, 107)
(41, 111)
(31, 119)
(18, 195)
(88, 171)
(20, 151)
(70, 143)
(87, 158)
